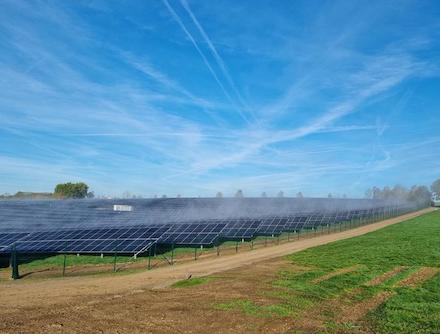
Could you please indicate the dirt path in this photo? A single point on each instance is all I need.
(53, 291)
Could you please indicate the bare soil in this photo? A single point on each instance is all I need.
(420, 276)
(359, 310)
(145, 303)
(385, 276)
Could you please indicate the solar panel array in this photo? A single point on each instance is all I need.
(123, 240)
(241, 229)
(94, 213)
(192, 234)
(272, 226)
(139, 237)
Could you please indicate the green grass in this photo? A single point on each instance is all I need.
(72, 260)
(250, 308)
(412, 244)
(192, 282)
(411, 310)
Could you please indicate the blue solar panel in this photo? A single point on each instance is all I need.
(129, 246)
(192, 234)
(40, 215)
(7, 239)
(131, 231)
(296, 223)
(272, 226)
(241, 228)
(108, 240)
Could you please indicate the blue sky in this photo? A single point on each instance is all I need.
(194, 97)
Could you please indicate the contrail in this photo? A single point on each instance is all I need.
(217, 57)
(205, 60)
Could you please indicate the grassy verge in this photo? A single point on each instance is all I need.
(337, 283)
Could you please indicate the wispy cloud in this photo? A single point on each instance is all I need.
(85, 98)
(205, 60)
(216, 55)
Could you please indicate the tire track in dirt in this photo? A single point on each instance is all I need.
(386, 276)
(418, 277)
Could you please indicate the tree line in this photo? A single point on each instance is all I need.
(417, 193)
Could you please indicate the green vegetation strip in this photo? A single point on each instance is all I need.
(412, 244)
(192, 282)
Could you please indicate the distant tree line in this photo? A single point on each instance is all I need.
(62, 191)
(27, 195)
(416, 193)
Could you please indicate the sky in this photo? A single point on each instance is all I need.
(195, 97)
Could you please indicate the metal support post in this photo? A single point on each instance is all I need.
(172, 254)
(64, 265)
(149, 258)
(114, 262)
(14, 263)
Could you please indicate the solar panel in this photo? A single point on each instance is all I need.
(128, 246)
(108, 240)
(272, 226)
(192, 234)
(296, 223)
(241, 228)
(94, 213)
(7, 239)
(131, 232)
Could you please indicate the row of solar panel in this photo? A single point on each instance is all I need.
(128, 246)
(135, 239)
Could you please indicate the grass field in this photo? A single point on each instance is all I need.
(387, 281)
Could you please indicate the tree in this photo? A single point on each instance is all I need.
(299, 195)
(263, 194)
(239, 194)
(219, 195)
(91, 194)
(329, 195)
(280, 194)
(435, 187)
(399, 192)
(420, 194)
(376, 193)
(71, 190)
